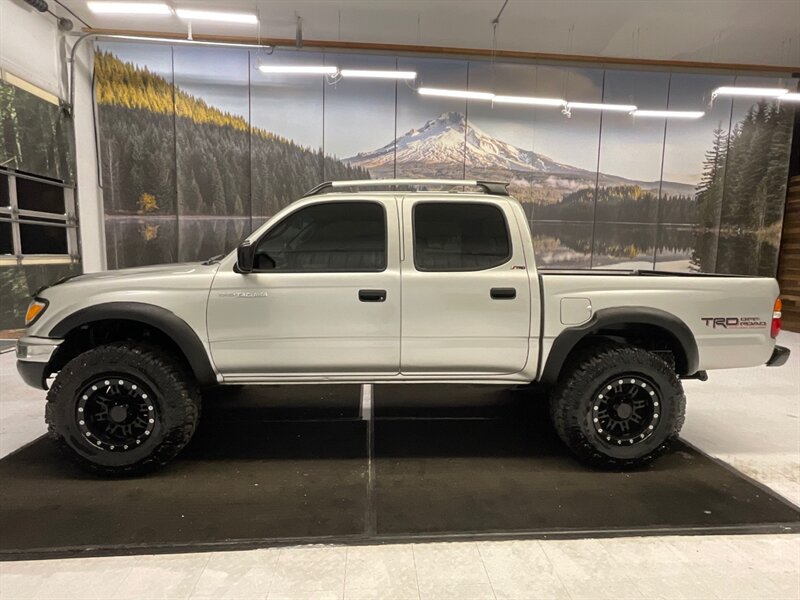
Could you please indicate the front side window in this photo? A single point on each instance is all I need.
(451, 236)
(326, 237)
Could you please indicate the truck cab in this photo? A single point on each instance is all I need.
(380, 286)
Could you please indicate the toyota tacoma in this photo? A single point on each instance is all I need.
(399, 285)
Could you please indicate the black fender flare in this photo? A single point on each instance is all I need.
(618, 318)
(155, 316)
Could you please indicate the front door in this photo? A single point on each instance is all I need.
(466, 292)
(323, 298)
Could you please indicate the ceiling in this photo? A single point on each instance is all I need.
(763, 32)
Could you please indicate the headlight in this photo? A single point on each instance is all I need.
(35, 309)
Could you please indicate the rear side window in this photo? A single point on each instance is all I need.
(450, 236)
(327, 237)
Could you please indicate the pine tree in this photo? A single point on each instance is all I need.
(708, 194)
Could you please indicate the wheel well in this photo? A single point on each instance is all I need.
(650, 337)
(96, 333)
(654, 338)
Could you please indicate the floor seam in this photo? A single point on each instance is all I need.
(416, 575)
(199, 575)
(485, 570)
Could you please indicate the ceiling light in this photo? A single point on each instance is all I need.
(791, 97)
(750, 91)
(455, 93)
(169, 40)
(378, 74)
(129, 8)
(299, 70)
(212, 15)
(669, 114)
(600, 106)
(529, 100)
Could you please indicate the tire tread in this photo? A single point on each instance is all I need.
(565, 404)
(149, 358)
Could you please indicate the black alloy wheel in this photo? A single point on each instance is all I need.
(116, 413)
(626, 410)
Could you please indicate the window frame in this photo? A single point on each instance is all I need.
(329, 202)
(493, 205)
(17, 216)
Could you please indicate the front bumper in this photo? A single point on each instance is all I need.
(33, 357)
(32, 373)
(779, 356)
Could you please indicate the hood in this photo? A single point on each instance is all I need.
(171, 269)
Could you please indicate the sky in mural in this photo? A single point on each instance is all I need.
(290, 106)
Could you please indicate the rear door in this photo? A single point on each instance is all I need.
(466, 304)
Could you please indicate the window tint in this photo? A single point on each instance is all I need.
(336, 236)
(35, 195)
(451, 236)
(39, 239)
(6, 243)
(5, 198)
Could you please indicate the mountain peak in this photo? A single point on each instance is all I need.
(449, 140)
(452, 117)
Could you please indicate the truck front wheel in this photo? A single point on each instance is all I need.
(122, 409)
(618, 407)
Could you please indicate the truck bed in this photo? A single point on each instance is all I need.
(729, 315)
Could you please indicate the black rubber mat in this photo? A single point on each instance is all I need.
(266, 463)
(274, 465)
(511, 474)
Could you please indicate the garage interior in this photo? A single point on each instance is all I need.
(134, 134)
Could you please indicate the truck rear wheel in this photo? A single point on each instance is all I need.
(618, 407)
(122, 409)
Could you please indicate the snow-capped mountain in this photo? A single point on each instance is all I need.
(442, 141)
(439, 148)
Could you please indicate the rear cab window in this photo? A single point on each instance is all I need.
(459, 236)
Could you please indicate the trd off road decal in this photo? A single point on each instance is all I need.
(734, 322)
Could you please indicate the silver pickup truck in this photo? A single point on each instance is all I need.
(397, 286)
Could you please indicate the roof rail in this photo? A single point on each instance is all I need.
(498, 188)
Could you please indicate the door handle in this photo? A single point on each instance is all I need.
(372, 295)
(503, 293)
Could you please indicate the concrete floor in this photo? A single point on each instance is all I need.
(749, 418)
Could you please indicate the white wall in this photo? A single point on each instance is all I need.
(29, 45)
(90, 197)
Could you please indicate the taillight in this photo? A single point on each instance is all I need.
(776, 318)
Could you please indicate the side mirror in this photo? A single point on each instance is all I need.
(245, 254)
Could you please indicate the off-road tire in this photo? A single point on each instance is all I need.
(573, 400)
(174, 399)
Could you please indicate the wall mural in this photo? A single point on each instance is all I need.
(198, 147)
(35, 135)
(36, 138)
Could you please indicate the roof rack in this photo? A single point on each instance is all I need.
(498, 188)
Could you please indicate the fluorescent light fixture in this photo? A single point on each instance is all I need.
(750, 91)
(790, 97)
(367, 74)
(530, 100)
(455, 93)
(299, 70)
(168, 40)
(129, 8)
(600, 106)
(213, 15)
(669, 114)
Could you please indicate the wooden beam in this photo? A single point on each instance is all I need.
(786, 71)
